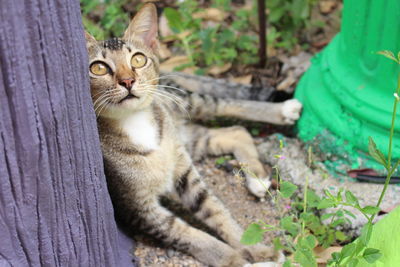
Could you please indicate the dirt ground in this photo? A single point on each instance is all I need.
(231, 190)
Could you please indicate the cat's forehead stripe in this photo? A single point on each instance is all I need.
(113, 44)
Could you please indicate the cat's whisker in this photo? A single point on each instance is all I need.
(105, 95)
(164, 99)
(166, 94)
(108, 91)
(104, 104)
(155, 87)
(175, 100)
(100, 103)
(178, 101)
(163, 77)
(99, 107)
(171, 87)
(101, 98)
(165, 86)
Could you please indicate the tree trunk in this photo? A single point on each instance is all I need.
(54, 205)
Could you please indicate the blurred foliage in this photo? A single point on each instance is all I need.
(209, 44)
(288, 20)
(104, 19)
(232, 40)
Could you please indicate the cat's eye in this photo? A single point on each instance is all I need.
(99, 68)
(138, 60)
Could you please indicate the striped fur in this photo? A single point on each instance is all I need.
(138, 176)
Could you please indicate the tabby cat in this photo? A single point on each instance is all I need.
(143, 143)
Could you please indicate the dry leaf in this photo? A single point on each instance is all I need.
(170, 64)
(271, 51)
(246, 79)
(163, 27)
(286, 83)
(184, 34)
(324, 254)
(213, 14)
(164, 51)
(215, 70)
(248, 5)
(327, 6)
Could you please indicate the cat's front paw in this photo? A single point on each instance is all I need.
(291, 110)
(258, 187)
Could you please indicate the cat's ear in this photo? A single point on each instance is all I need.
(90, 40)
(144, 26)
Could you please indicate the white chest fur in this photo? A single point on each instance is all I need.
(141, 129)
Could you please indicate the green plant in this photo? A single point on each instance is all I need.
(301, 231)
(104, 19)
(207, 46)
(304, 228)
(301, 228)
(222, 160)
(285, 28)
(351, 254)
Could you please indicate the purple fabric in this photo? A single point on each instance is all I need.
(54, 205)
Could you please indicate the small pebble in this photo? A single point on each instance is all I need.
(170, 253)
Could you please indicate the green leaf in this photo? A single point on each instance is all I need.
(339, 197)
(220, 160)
(371, 255)
(287, 263)
(326, 216)
(300, 9)
(340, 236)
(328, 193)
(335, 256)
(339, 213)
(376, 153)
(338, 222)
(348, 250)
(312, 199)
(290, 226)
(353, 262)
(349, 213)
(365, 234)
(351, 198)
(326, 203)
(360, 246)
(287, 189)
(305, 257)
(311, 241)
(388, 54)
(371, 210)
(252, 235)
(174, 19)
(276, 14)
(277, 243)
(308, 217)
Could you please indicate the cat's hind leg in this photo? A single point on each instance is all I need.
(206, 207)
(158, 222)
(234, 140)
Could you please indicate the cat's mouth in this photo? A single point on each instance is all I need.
(128, 96)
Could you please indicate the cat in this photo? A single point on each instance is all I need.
(148, 150)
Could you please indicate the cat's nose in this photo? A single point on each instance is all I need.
(127, 83)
